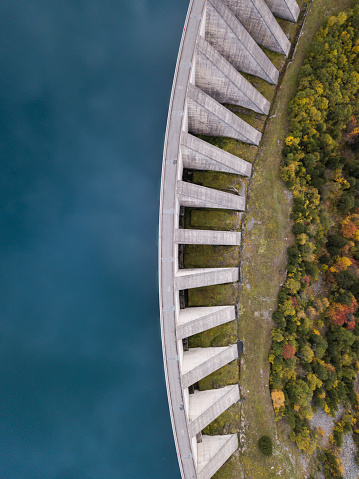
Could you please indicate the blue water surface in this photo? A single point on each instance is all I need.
(84, 92)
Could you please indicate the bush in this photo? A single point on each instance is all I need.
(332, 466)
(299, 228)
(346, 202)
(265, 445)
(335, 243)
(278, 317)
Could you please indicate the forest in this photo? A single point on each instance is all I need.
(315, 342)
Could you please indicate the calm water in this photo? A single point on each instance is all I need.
(84, 91)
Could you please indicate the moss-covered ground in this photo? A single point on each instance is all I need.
(262, 261)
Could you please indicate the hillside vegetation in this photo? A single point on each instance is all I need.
(315, 344)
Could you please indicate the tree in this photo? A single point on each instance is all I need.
(299, 392)
(307, 353)
(313, 381)
(278, 399)
(304, 440)
(288, 351)
(265, 445)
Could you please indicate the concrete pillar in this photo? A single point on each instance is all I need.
(206, 406)
(200, 362)
(287, 9)
(228, 36)
(220, 80)
(260, 23)
(213, 452)
(190, 194)
(208, 117)
(200, 155)
(197, 277)
(195, 320)
(188, 236)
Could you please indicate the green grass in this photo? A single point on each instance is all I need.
(226, 423)
(252, 118)
(227, 375)
(266, 89)
(216, 295)
(215, 337)
(221, 181)
(278, 59)
(208, 256)
(231, 469)
(206, 218)
(235, 147)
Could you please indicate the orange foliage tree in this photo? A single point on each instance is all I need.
(350, 227)
(288, 351)
(341, 314)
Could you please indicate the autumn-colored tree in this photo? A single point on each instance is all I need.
(294, 302)
(341, 314)
(342, 264)
(288, 351)
(348, 228)
(304, 441)
(278, 399)
(352, 131)
(313, 381)
(307, 354)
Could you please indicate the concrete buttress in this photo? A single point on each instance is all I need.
(229, 37)
(287, 9)
(211, 237)
(200, 155)
(260, 23)
(200, 362)
(198, 277)
(213, 452)
(220, 80)
(208, 117)
(196, 320)
(190, 194)
(206, 406)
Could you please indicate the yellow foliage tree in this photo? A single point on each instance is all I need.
(342, 264)
(278, 399)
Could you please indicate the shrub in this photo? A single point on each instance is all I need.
(332, 466)
(336, 240)
(265, 445)
(299, 228)
(346, 202)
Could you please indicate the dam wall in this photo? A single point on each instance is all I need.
(222, 42)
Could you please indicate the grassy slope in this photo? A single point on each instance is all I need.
(262, 262)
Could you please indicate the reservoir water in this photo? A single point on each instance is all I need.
(84, 92)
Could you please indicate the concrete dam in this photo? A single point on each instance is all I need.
(221, 38)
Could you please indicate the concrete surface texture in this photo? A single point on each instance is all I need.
(190, 194)
(200, 155)
(200, 362)
(208, 117)
(260, 23)
(220, 38)
(229, 37)
(287, 9)
(195, 320)
(197, 277)
(206, 406)
(189, 236)
(220, 80)
(213, 452)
